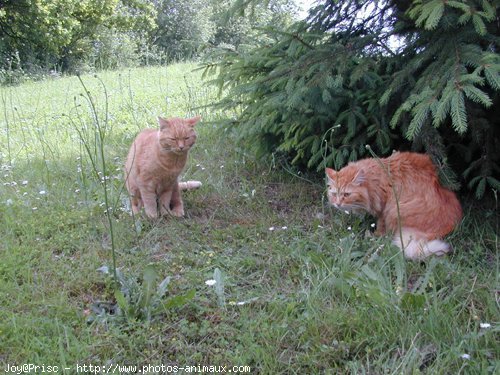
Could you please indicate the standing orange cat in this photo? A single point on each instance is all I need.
(427, 210)
(154, 163)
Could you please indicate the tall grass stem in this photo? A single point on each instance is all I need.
(100, 134)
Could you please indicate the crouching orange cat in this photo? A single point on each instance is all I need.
(154, 163)
(427, 210)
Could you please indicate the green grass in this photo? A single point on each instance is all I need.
(314, 295)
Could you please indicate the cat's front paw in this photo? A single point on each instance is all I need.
(177, 212)
(152, 215)
(151, 212)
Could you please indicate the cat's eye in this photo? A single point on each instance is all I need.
(346, 195)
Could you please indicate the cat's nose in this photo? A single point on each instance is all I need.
(334, 200)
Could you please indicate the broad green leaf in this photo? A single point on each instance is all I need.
(219, 287)
(179, 300)
(121, 300)
(162, 288)
(149, 278)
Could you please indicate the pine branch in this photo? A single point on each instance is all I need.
(458, 112)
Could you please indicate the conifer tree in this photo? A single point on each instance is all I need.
(393, 75)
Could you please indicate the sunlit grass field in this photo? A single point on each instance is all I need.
(260, 272)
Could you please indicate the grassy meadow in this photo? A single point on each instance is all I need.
(299, 288)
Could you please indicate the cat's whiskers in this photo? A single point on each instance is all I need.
(352, 207)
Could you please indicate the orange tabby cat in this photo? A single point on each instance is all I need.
(427, 210)
(154, 163)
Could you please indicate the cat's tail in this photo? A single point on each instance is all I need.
(416, 247)
(189, 185)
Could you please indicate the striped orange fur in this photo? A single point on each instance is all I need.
(427, 210)
(154, 163)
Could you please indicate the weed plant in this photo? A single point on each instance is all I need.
(299, 288)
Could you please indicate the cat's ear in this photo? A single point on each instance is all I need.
(164, 123)
(193, 121)
(331, 174)
(359, 178)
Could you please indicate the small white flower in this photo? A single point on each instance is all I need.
(485, 325)
(349, 228)
(372, 225)
(77, 191)
(35, 208)
(24, 183)
(284, 228)
(9, 202)
(271, 228)
(241, 303)
(42, 192)
(221, 167)
(347, 212)
(465, 356)
(210, 282)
